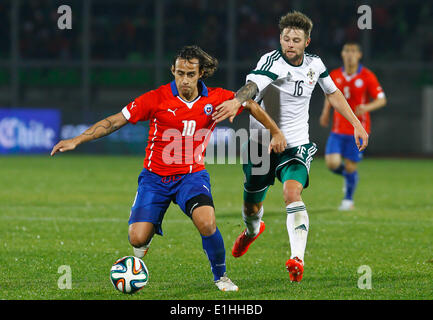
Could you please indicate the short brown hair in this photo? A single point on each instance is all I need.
(207, 63)
(296, 20)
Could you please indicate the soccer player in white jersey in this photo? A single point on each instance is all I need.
(282, 83)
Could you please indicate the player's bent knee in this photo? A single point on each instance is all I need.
(202, 212)
(140, 233)
(332, 165)
(204, 220)
(138, 240)
(292, 191)
(332, 162)
(350, 166)
(207, 228)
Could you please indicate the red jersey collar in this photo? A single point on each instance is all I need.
(204, 91)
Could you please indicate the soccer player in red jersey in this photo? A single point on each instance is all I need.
(180, 125)
(364, 95)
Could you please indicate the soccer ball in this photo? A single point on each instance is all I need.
(129, 274)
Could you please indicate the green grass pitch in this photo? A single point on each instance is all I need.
(73, 210)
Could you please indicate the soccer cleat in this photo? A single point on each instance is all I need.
(295, 267)
(225, 284)
(243, 242)
(346, 205)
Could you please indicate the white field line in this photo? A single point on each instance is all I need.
(356, 221)
(81, 220)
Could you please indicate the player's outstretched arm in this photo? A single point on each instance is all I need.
(98, 130)
(229, 108)
(278, 142)
(338, 101)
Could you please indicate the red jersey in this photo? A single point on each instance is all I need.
(359, 88)
(178, 130)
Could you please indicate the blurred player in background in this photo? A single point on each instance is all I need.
(364, 94)
(180, 115)
(283, 83)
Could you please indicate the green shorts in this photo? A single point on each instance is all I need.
(292, 164)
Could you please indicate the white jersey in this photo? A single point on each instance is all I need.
(285, 91)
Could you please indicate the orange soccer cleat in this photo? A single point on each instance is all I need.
(295, 267)
(243, 242)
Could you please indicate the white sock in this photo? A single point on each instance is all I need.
(139, 252)
(297, 226)
(253, 223)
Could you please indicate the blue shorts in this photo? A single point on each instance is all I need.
(155, 193)
(345, 145)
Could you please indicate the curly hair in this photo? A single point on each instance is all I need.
(207, 63)
(296, 20)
